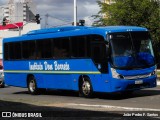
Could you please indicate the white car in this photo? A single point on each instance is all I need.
(2, 84)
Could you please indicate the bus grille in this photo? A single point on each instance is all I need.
(136, 77)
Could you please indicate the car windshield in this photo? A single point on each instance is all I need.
(131, 50)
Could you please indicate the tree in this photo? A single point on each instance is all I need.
(145, 13)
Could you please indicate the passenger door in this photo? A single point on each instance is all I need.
(99, 56)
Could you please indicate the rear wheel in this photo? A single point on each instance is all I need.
(85, 88)
(2, 84)
(32, 86)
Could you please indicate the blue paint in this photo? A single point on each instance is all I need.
(65, 73)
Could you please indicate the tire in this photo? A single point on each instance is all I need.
(85, 88)
(32, 86)
(2, 84)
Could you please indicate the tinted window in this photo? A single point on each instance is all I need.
(43, 49)
(14, 50)
(6, 51)
(17, 52)
(67, 47)
(80, 46)
(29, 50)
(61, 47)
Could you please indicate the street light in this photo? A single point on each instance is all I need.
(17, 27)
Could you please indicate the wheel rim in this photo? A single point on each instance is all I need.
(32, 85)
(86, 88)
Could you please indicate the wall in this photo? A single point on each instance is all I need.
(6, 33)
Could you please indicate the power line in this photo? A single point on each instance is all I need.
(58, 18)
(61, 25)
(53, 17)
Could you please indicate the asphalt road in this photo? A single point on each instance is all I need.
(64, 104)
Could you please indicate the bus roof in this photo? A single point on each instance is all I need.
(72, 31)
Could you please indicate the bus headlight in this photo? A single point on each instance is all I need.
(153, 73)
(116, 75)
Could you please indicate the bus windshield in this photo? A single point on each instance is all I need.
(131, 50)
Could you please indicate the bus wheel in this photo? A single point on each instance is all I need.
(2, 84)
(85, 88)
(32, 86)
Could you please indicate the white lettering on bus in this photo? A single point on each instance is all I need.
(61, 66)
(35, 66)
(48, 66)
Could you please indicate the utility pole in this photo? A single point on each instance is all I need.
(46, 20)
(19, 29)
(75, 12)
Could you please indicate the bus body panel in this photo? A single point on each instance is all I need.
(57, 74)
(125, 85)
(68, 80)
(15, 79)
(65, 73)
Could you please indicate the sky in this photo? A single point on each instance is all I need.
(63, 10)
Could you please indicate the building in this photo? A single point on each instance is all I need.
(109, 1)
(21, 11)
(20, 17)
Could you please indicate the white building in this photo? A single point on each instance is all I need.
(18, 11)
(109, 1)
(20, 16)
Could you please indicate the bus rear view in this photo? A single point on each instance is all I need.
(84, 59)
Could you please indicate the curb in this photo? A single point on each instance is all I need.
(158, 83)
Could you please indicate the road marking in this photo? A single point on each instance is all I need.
(114, 107)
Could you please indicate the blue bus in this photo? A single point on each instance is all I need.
(84, 59)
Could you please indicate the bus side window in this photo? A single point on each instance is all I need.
(61, 48)
(32, 50)
(80, 47)
(6, 51)
(25, 50)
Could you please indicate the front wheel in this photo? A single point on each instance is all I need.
(32, 86)
(85, 88)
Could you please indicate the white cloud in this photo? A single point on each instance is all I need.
(63, 9)
(88, 21)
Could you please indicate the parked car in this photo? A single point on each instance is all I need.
(2, 84)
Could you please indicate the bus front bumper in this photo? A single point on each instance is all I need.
(119, 85)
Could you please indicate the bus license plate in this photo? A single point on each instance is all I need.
(139, 82)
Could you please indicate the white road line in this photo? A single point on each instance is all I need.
(114, 107)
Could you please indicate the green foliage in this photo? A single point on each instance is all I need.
(145, 13)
